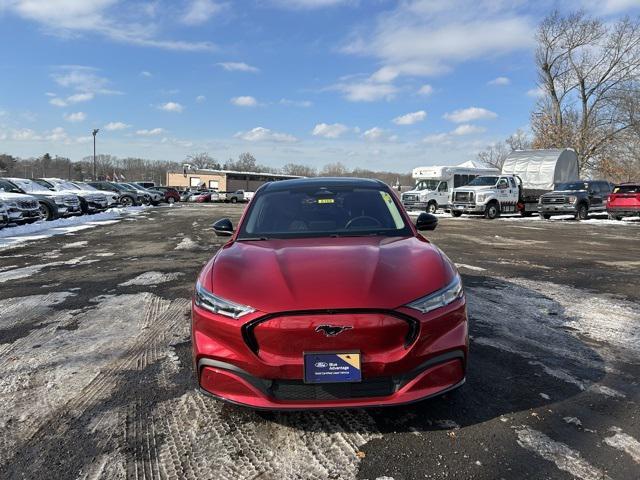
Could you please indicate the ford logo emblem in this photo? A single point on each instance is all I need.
(321, 364)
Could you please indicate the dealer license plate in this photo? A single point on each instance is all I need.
(332, 367)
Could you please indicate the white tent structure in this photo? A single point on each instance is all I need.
(542, 169)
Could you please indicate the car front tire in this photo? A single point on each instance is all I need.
(432, 207)
(492, 211)
(47, 212)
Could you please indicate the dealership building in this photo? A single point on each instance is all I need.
(222, 180)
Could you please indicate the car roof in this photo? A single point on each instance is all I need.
(281, 185)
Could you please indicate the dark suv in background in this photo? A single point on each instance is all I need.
(575, 198)
(128, 196)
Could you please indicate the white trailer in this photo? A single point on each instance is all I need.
(434, 184)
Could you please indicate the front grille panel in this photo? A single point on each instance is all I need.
(27, 204)
(71, 201)
(410, 198)
(465, 197)
(298, 390)
(554, 200)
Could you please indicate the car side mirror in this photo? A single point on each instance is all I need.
(223, 227)
(426, 221)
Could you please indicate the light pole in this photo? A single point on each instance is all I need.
(95, 132)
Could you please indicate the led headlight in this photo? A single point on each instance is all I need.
(481, 197)
(572, 199)
(207, 300)
(445, 296)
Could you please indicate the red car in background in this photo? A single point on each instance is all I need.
(171, 195)
(326, 296)
(624, 201)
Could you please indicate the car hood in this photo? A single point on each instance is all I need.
(7, 196)
(475, 188)
(328, 273)
(418, 192)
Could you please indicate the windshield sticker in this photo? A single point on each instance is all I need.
(326, 200)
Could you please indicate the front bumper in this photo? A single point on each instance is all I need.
(25, 216)
(468, 208)
(557, 209)
(269, 375)
(408, 205)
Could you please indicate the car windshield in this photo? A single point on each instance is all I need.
(427, 184)
(62, 185)
(30, 186)
(84, 186)
(483, 181)
(572, 186)
(313, 211)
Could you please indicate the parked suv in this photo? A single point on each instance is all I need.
(22, 208)
(90, 202)
(575, 198)
(126, 196)
(171, 195)
(52, 205)
(4, 215)
(624, 201)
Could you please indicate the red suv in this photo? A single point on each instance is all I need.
(171, 195)
(624, 201)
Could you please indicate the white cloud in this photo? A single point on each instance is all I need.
(499, 82)
(437, 138)
(377, 134)
(58, 134)
(113, 126)
(200, 11)
(425, 38)
(410, 118)
(24, 134)
(171, 107)
(365, 91)
(75, 117)
(244, 101)
(80, 97)
(238, 67)
(58, 102)
(469, 115)
(84, 80)
(537, 92)
(150, 133)
(425, 90)
(68, 19)
(309, 4)
(261, 134)
(296, 103)
(201, 99)
(146, 74)
(467, 129)
(333, 130)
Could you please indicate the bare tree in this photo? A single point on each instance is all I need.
(299, 170)
(586, 71)
(202, 160)
(494, 155)
(336, 169)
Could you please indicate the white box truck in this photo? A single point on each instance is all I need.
(525, 176)
(435, 184)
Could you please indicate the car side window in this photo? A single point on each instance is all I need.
(443, 187)
(503, 183)
(513, 183)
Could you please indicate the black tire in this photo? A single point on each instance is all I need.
(47, 212)
(171, 200)
(492, 211)
(583, 212)
(524, 213)
(456, 214)
(234, 200)
(545, 216)
(126, 201)
(84, 208)
(432, 207)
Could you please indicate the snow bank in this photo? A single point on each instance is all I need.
(36, 231)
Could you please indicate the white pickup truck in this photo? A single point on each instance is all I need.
(526, 175)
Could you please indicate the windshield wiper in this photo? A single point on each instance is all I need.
(252, 239)
(357, 234)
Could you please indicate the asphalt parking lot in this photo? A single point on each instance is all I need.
(96, 380)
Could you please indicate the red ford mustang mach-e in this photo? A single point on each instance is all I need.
(326, 296)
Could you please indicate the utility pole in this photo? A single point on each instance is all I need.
(95, 132)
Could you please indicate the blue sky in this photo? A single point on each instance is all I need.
(380, 84)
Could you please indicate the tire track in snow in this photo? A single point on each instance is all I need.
(561, 455)
(625, 443)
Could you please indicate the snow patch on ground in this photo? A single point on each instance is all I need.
(81, 244)
(561, 455)
(470, 267)
(42, 229)
(187, 244)
(625, 443)
(30, 270)
(151, 278)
